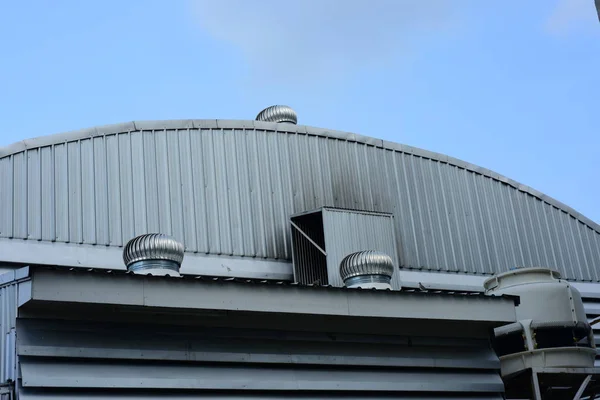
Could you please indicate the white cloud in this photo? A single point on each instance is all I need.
(323, 38)
(570, 15)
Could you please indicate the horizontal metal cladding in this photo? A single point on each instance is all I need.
(8, 317)
(229, 187)
(120, 359)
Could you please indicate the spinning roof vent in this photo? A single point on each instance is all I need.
(153, 254)
(367, 269)
(279, 113)
(551, 328)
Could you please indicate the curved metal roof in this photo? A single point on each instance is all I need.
(228, 188)
(112, 129)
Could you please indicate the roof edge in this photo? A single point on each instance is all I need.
(238, 295)
(132, 126)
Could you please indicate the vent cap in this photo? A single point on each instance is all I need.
(153, 253)
(279, 114)
(367, 269)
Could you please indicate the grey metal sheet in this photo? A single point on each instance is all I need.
(7, 195)
(8, 316)
(107, 257)
(55, 373)
(135, 290)
(169, 344)
(129, 395)
(349, 231)
(229, 190)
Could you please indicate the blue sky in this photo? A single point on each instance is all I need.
(509, 85)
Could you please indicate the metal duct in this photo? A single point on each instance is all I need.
(367, 269)
(153, 253)
(279, 114)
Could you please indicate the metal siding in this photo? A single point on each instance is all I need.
(472, 244)
(74, 172)
(138, 183)
(88, 195)
(459, 215)
(231, 191)
(113, 191)
(595, 249)
(547, 229)
(34, 195)
(518, 242)
(128, 395)
(533, 245)
(587, 253)
(174, 186)
(79, 375)
(57, 357)
(199, 182)
(163, 177)
(210, 200)
(347, 232)
(20, 196)
(484, 256)
(438, 213)
(6, 197)
(188, 201)
(247, 226)
(423, 210)
(47, 205)
(126, 197)
(152, 210)
(236, 218)
(447, 226)
(8, 316)
(269, 195)
(265, 194)
(61, 193)
(256, 196)
(413, 211)
(560, 241)
(282, 247)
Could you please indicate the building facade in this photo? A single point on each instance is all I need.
(244, 197)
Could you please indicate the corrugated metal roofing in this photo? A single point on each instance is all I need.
(229, 187)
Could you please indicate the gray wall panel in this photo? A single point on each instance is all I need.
(8, 316)
(34, 195)
(74, 192)
(98, 356)
(231, 191)
(6, 196)
(20, 196)
(348, 232)
(129, 395)
(48, 227)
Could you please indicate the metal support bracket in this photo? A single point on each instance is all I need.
(582, 388)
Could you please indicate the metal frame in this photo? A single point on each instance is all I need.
(584, 382)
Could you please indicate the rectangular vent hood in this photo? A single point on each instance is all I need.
(323, 237)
